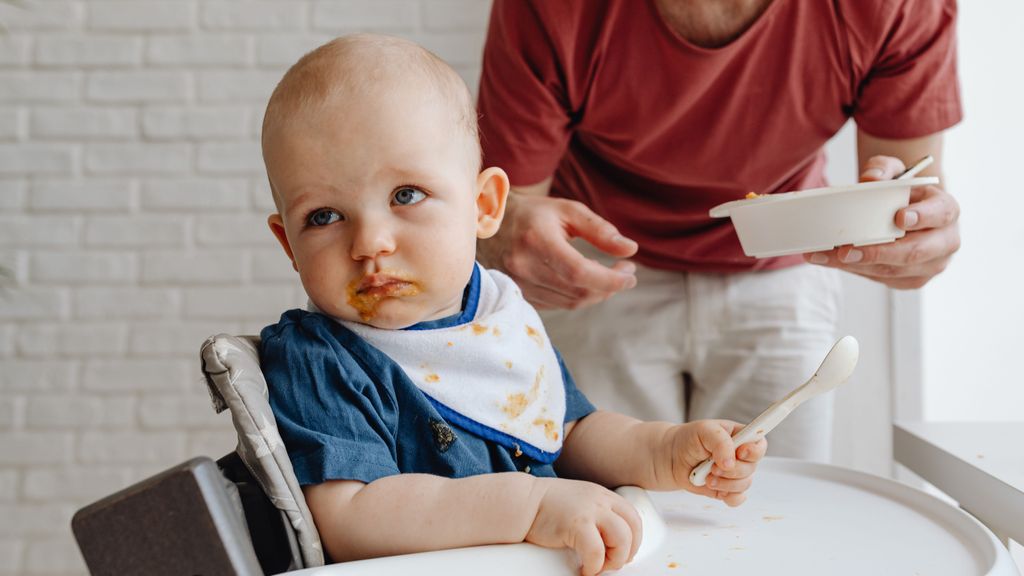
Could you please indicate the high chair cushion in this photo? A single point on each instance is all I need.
(231, 366)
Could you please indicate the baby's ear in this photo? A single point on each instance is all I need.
(491, 194)
(276, 224)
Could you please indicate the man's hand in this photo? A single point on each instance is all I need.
(730, 476)
(603, 528)
(910, 262)
(533, 248)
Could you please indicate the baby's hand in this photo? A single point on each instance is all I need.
(599, 525)
(730, 476)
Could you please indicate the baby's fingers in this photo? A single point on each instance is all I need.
(729, 497)
(734, 499)
(752, 451)
(589, 547)
(618, 541)
(719, 484)
(716, 440)
(628, 512)
(747, 457)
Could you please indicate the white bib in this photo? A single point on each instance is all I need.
(497, 376)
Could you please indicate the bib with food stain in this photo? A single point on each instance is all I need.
(496, 375)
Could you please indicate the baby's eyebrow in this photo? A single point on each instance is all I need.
(404, 172)
(308, 194)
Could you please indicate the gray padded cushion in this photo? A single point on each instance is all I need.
(231, 365)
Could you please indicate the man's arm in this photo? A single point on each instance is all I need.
(930, 220)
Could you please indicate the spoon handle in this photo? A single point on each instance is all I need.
(917, 167)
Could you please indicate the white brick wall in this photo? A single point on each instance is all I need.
(133, 209)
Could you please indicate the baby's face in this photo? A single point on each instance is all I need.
(378, 208)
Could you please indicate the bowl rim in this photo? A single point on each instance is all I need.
(723, 210)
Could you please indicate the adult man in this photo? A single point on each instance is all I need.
(621, 122)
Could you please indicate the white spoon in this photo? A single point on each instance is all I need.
(917, 167)
(835, 369)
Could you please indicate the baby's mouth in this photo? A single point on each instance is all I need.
(381, 284)
(366, 293)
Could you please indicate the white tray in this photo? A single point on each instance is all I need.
(800, 518)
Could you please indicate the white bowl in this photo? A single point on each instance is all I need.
(820, 218)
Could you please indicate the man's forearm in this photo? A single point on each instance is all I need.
(909, 150)
(617, 450)
(419, 512)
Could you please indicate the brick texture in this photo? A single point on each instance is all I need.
(133, 206)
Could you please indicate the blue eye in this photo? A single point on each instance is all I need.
(323, 217)
(406, 196)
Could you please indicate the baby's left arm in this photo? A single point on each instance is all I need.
(615, 450)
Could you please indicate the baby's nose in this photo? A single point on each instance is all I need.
(372, 239)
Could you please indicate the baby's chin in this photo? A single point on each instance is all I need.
(389, 314)
(396, 314)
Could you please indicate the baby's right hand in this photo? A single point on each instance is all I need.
(599, 525)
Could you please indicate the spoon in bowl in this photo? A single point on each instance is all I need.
(915, 168)
(835, 369)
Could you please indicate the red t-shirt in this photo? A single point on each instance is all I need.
(651, 131)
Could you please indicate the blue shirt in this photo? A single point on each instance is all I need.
(347, 411)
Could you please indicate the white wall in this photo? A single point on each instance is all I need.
(974, 312)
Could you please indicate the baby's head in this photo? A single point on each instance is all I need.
(371, 148)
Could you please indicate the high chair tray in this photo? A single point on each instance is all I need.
(800, 518)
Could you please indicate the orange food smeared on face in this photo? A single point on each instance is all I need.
(533, 333)
(366, 297)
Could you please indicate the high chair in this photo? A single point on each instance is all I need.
(244, 515)
(241, 515)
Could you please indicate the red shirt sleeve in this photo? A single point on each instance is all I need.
(910, 89)
(523, 103)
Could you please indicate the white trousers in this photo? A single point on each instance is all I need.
(687, 346)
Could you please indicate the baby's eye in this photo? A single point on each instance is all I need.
(323, 217)
(407, 196)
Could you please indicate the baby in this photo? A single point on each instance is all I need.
(422, 405)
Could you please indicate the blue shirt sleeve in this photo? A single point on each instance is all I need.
(576, 404)
(337, 420)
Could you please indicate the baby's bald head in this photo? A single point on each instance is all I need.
(360, 66)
